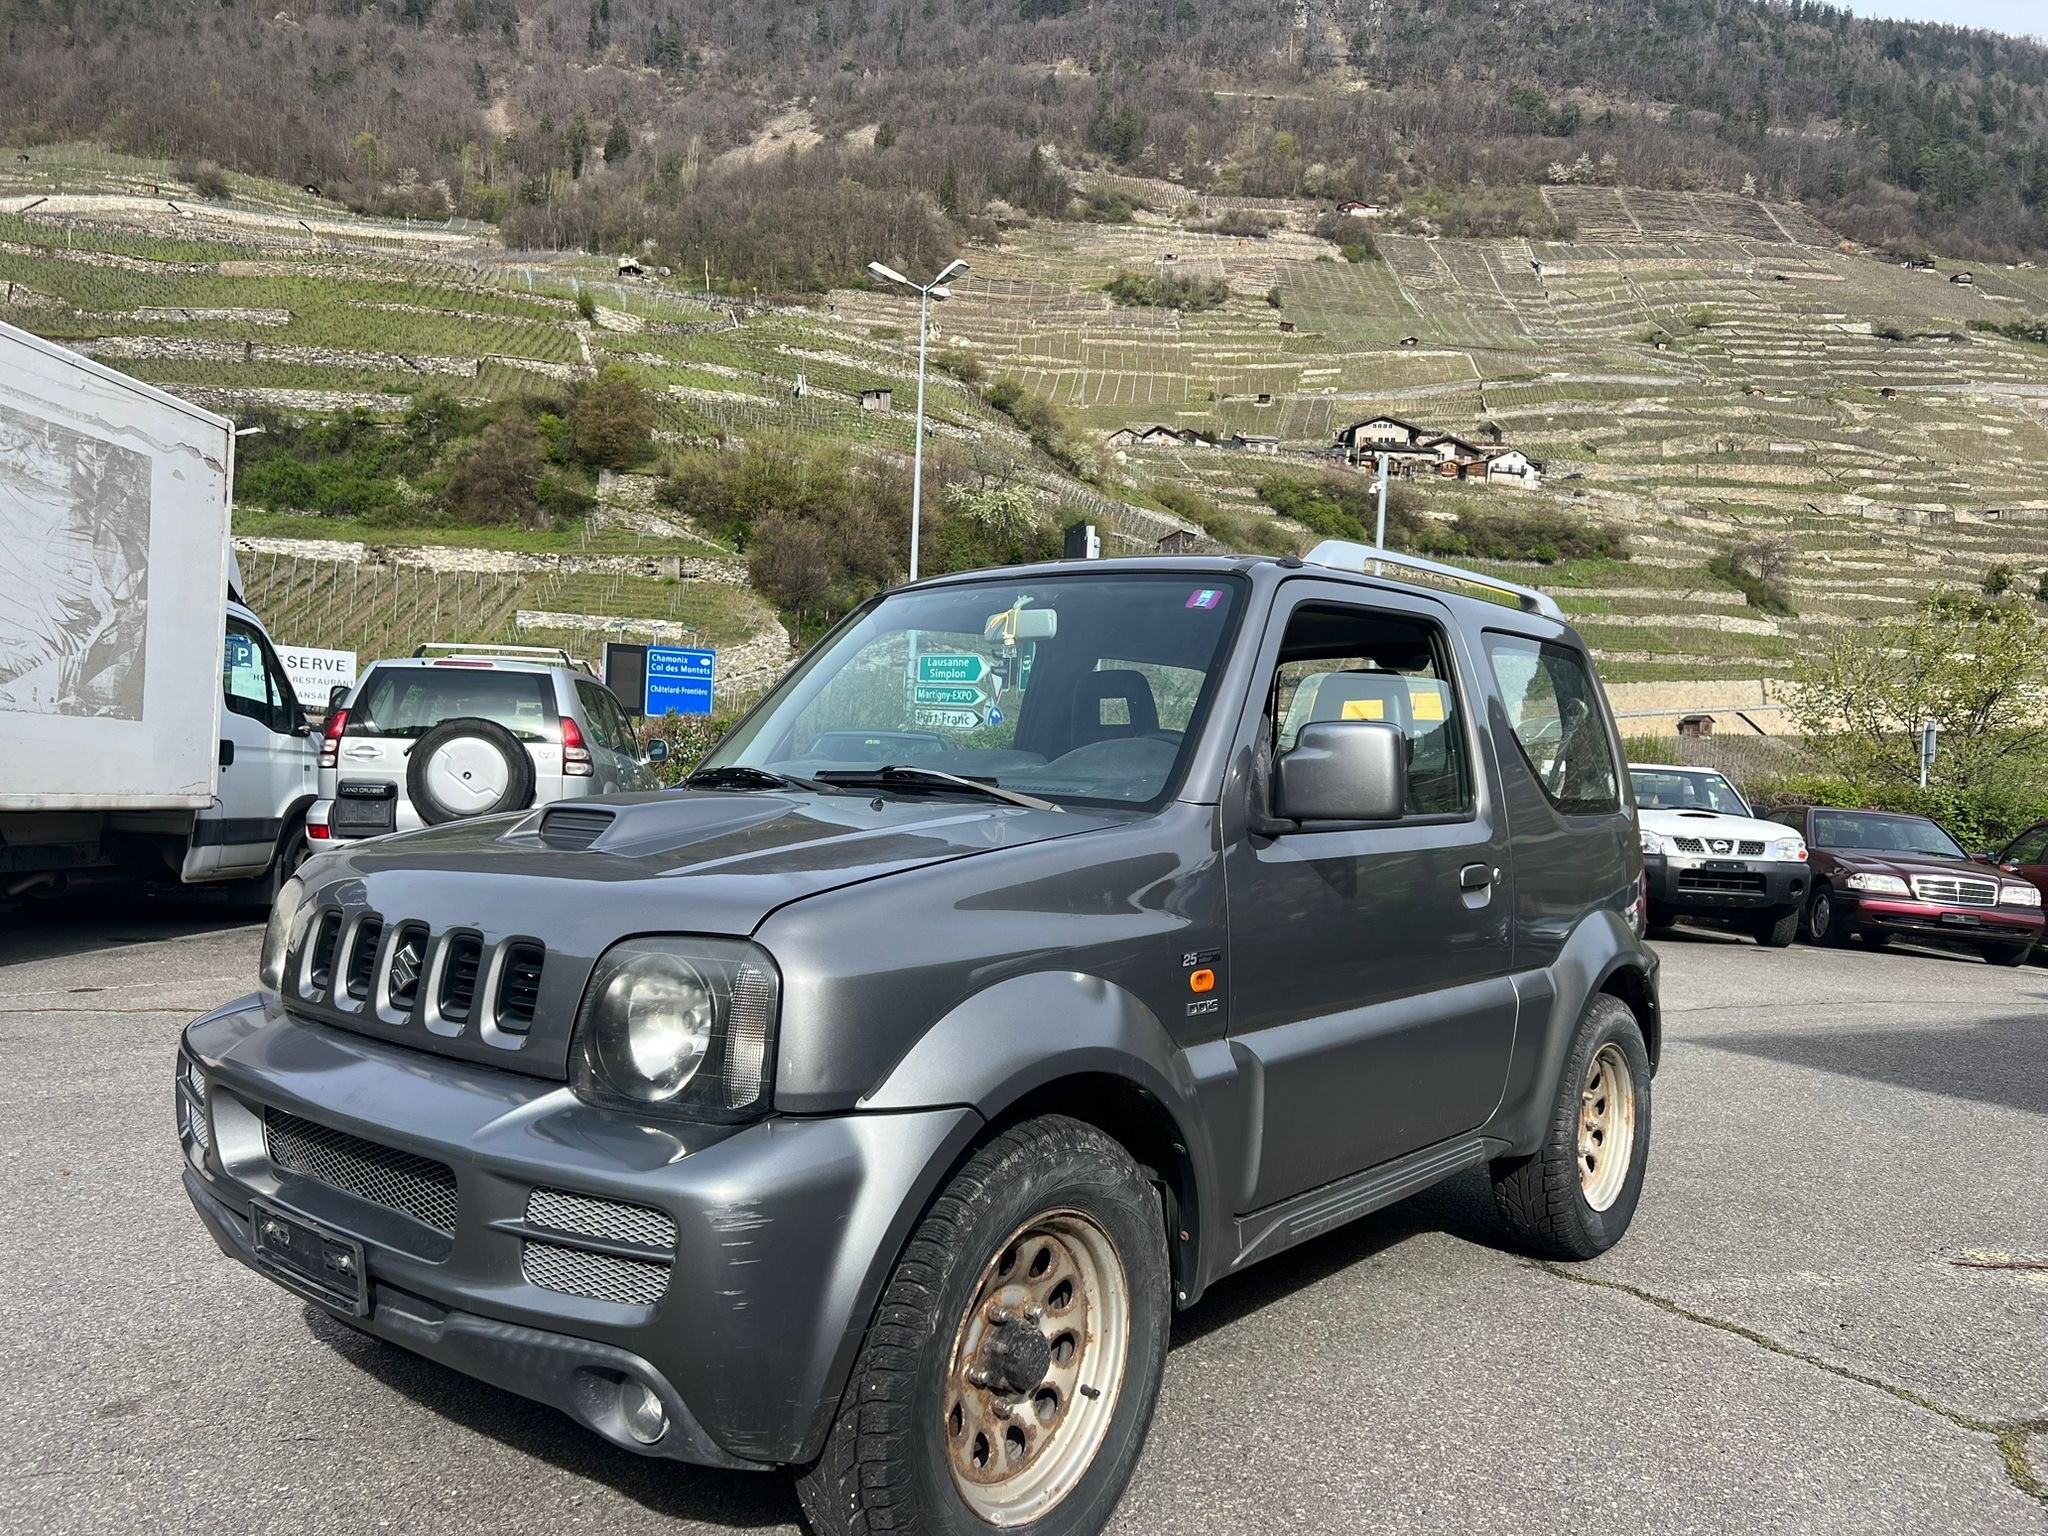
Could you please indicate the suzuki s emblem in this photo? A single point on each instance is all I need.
(1720, 845)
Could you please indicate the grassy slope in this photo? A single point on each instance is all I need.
(1761, 413)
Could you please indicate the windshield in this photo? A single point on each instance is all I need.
(1861, 831)
(1673, 789)
(1087, 687)
(410, 701)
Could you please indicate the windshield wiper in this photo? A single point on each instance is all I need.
(903, 775)
(740, 776)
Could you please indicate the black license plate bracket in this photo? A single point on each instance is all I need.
(309, 1259)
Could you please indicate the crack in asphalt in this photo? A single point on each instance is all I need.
(2009, 1435)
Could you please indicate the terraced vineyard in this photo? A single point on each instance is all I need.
(1696, 369)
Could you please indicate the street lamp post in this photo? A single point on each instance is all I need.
(926, 292)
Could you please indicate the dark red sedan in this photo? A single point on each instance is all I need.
(1882, 876)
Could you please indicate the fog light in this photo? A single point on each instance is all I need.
(646, 1419)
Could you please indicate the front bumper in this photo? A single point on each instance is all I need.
(1930, 920)
(783, 1229)
(1691, 883)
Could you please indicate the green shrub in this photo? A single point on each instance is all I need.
(1042, 423)
(1165, 290)
(1759, 592)
(1235, 530)
(611, 420)
(1997, 581)
(586, 306)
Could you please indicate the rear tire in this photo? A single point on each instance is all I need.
(919, 1448)
(1824, 925)
(1571, 1199)
(1777, 930)
(515, 776)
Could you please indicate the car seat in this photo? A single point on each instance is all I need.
(1096, 689)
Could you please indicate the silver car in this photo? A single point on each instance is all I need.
(454, 732)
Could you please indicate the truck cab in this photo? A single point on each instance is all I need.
(269, 765)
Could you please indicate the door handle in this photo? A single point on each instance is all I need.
(1476, 877)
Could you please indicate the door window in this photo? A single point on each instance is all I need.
(1553, 707)
(1339, 663)
(252, 683)
(596, 717)
(2029, 848)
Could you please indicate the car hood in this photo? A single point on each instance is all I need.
(1876, 862)
(1707, 825)
(576, 877)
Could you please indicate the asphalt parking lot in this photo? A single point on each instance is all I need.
(1832, 1314)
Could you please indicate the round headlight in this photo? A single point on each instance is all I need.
(277, 933)
(653, 1026)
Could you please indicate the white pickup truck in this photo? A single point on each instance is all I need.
(147, 729)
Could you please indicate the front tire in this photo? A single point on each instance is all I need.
(1824, 924)
(1777, 930)
(1577, 1195)
(2008, 954)
(1009, 1376)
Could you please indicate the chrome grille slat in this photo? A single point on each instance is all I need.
(458, 977)
(578, 1272)
(1956, 890)
(418, 1187)
(519, 986)
(611, 1220)
(362, 957)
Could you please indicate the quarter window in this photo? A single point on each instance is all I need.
(1553, 707)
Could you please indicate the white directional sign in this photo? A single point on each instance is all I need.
(314, 672)
(948, 719)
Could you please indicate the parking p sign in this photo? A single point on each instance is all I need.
(679, 678)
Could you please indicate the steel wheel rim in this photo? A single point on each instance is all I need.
(1823, 914)
(1607, 1127)
(1057, 1294)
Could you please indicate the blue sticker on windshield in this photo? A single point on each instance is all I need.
(1208, 597)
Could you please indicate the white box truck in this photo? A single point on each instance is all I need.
(147, 729)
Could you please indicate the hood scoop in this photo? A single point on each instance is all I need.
(573, 826)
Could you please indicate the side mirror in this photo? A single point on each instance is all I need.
(657, 751)
(1343, 770)
(337, 696)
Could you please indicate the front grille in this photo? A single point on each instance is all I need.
(1955, 891)
(417, 1187)
(362, 957)
(1727, 882)
(519, 986)
(573, 826)
(609, 1219)
(458, 977)
(1748, 849)
(601, 1276)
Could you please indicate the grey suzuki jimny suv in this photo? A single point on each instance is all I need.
(1048, 945)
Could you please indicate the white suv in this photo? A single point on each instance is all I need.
(454, 732)
(1705, 855)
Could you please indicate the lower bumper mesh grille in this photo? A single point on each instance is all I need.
(417, 1187)
(603, 1276)
(609, 1219)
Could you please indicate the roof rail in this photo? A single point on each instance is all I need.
(548, 653)
(1344, 555)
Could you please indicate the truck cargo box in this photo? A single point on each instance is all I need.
(114, 501)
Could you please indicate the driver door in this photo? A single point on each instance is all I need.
(268, 761)
(1369, 964)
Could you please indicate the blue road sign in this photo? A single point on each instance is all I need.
(679, 679)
